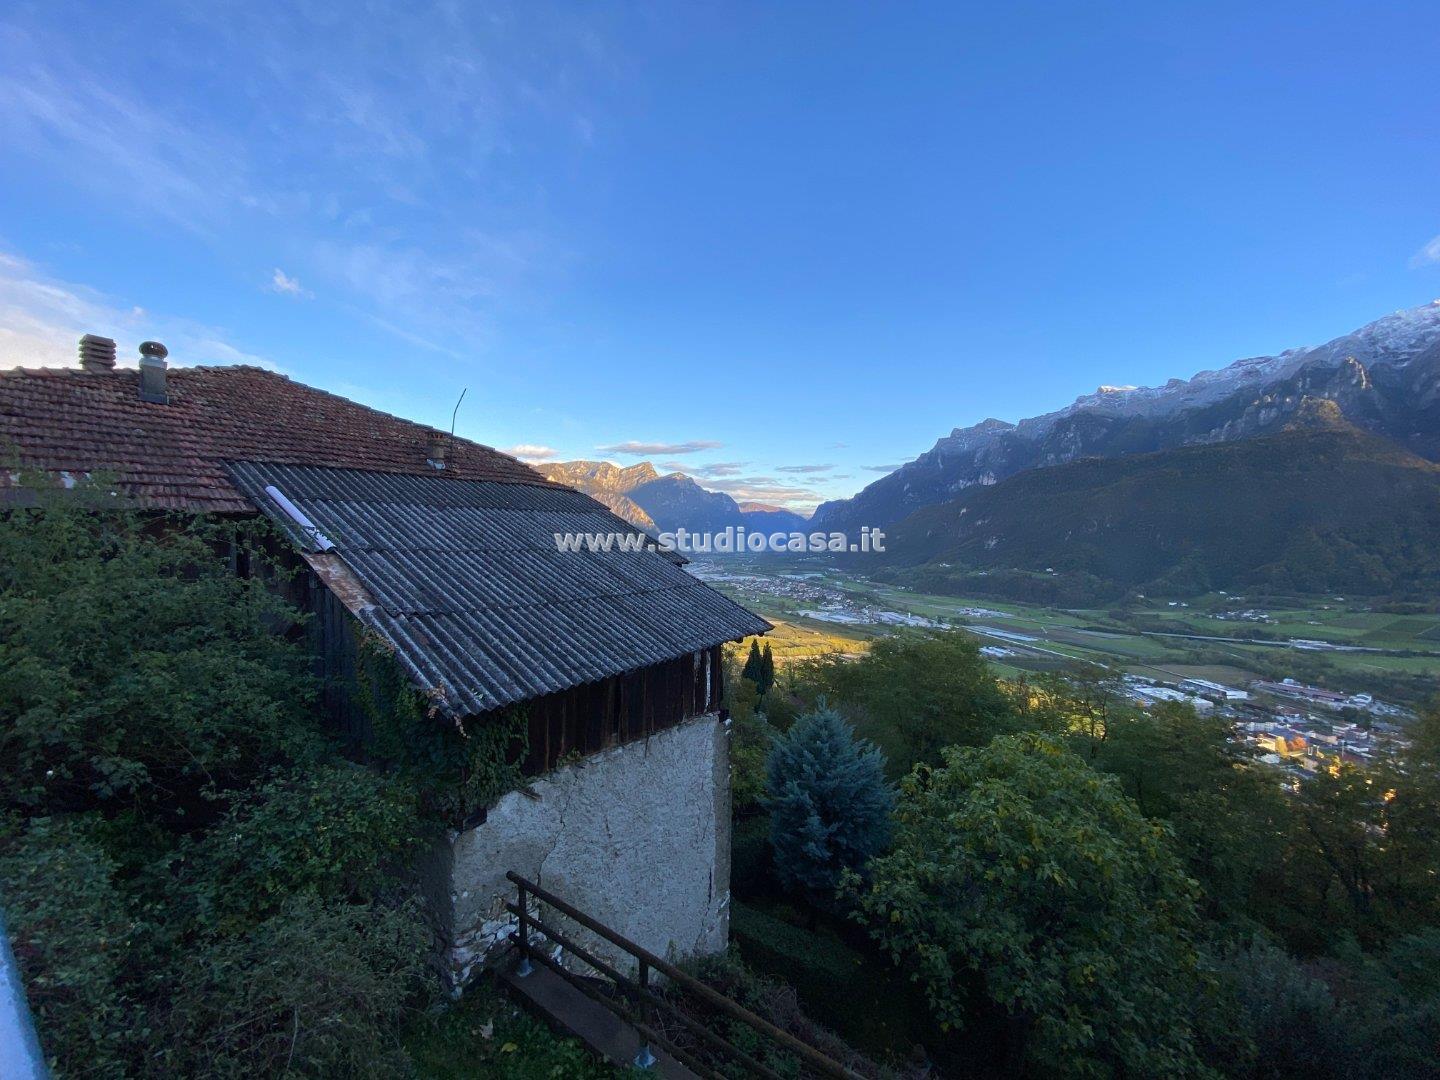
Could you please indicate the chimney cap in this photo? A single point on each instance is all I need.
(152, 373)
(97, 353)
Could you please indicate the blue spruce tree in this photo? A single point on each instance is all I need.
(829, 803)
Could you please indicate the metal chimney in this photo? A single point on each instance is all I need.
(97, 353)
(152, 372)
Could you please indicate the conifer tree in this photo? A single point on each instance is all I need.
(828, 800)
(753, 663)
(767, 671)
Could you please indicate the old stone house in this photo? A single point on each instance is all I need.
(445, 549)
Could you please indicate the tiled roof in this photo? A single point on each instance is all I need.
(173, 456)
(463, 578)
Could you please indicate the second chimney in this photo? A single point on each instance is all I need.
(97, 353)
(152, 372)
(435, 449)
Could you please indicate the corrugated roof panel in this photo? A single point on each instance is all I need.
(472, 593)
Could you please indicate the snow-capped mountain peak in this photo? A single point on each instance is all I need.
(1392, 340)
(1384, 377)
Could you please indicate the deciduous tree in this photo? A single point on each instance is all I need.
(1023, 878)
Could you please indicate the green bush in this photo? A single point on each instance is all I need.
(751, 738)
(136, 671)
(751, 871)
(850, 990)
(485, 1036)
(71, 931)
(316, 989)
(1283, 1021)
(337, 831)
(196, 883)
(913, 695)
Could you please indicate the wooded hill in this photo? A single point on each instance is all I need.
(1318, 509)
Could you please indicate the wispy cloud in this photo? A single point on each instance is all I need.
(531, 452)
(806, 469)
(880, 468)
(713, 469)
(341, 136)
(659, 449)
(42, 319)
(285, 285)
(1428, 255)
(768, 489)
(445, 290)
(52, 108)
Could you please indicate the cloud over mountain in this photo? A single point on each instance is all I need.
(634, 448)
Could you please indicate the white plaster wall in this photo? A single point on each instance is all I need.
(637, 836)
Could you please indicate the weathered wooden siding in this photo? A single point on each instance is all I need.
(587, 719)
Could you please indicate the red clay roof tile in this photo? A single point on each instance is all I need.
(173, 455)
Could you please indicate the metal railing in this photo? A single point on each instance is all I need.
(636, 1001)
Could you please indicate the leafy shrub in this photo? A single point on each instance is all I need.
(850, 989)
(751, 739)
(775, 1000)
(336, 831)
(1399, 1008)
(136, 669)
(1274, 1000)
(195, 882)
(316, 989)
(751, 734)
(828, 800)
(1376, 1016)
(916, 694)
(456, 769)
(70, 929)
(751, 870)
(485, 1036)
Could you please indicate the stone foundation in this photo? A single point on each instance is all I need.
(637, 837)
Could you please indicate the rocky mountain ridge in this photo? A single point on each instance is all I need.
(1383, 377)
(665, 502)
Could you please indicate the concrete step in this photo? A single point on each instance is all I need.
(565, 1007)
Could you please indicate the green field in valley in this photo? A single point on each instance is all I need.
(1344, 644)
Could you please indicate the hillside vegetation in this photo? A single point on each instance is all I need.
(1075, 886)
(1315, 510)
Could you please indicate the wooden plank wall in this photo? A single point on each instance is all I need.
(590, 718)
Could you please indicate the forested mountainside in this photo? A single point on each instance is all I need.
(1384, 378)
(1311, 509)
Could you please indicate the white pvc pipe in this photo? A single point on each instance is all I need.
(298, 516)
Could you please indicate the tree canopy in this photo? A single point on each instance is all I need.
(1023, 878)
(914, 695)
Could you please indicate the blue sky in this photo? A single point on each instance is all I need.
(780, 245)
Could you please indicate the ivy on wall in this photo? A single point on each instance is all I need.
(459, 769)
